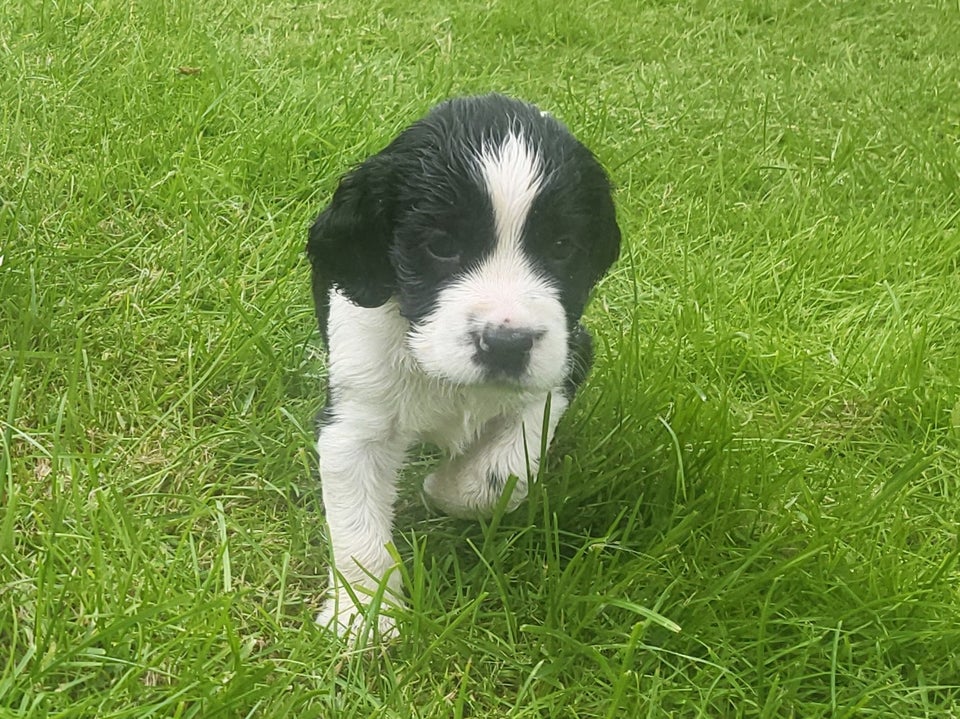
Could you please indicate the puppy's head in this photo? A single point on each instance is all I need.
(489, 223)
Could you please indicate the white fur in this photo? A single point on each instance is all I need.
(394, 385)
(512, 174)
(502, 291)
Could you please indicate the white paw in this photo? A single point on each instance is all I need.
(466, 495)
(340, 614)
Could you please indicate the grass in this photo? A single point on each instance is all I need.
(751, 510)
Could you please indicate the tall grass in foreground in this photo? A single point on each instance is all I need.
(752, 508)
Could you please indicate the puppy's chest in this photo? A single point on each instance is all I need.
(450, 418)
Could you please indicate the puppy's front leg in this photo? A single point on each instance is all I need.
(359, 462)
(470, 485)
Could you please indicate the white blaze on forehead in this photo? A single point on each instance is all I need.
(512, 175)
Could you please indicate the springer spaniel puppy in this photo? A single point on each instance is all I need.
(450, 272)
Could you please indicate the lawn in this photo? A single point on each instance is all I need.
(752, 509)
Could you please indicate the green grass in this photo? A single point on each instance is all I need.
(751, 510)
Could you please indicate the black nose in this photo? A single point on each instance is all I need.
(504, 349)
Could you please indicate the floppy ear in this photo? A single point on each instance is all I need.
(349, 243)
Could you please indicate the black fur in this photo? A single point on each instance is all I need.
(580, 345)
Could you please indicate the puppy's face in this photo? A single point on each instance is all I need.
(494, 224)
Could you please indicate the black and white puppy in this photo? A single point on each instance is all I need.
(450, 272)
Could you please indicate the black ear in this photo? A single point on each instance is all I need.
(349, 243)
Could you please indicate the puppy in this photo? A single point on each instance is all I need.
(449, 275)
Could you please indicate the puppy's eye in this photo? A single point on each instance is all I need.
(443, 248)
